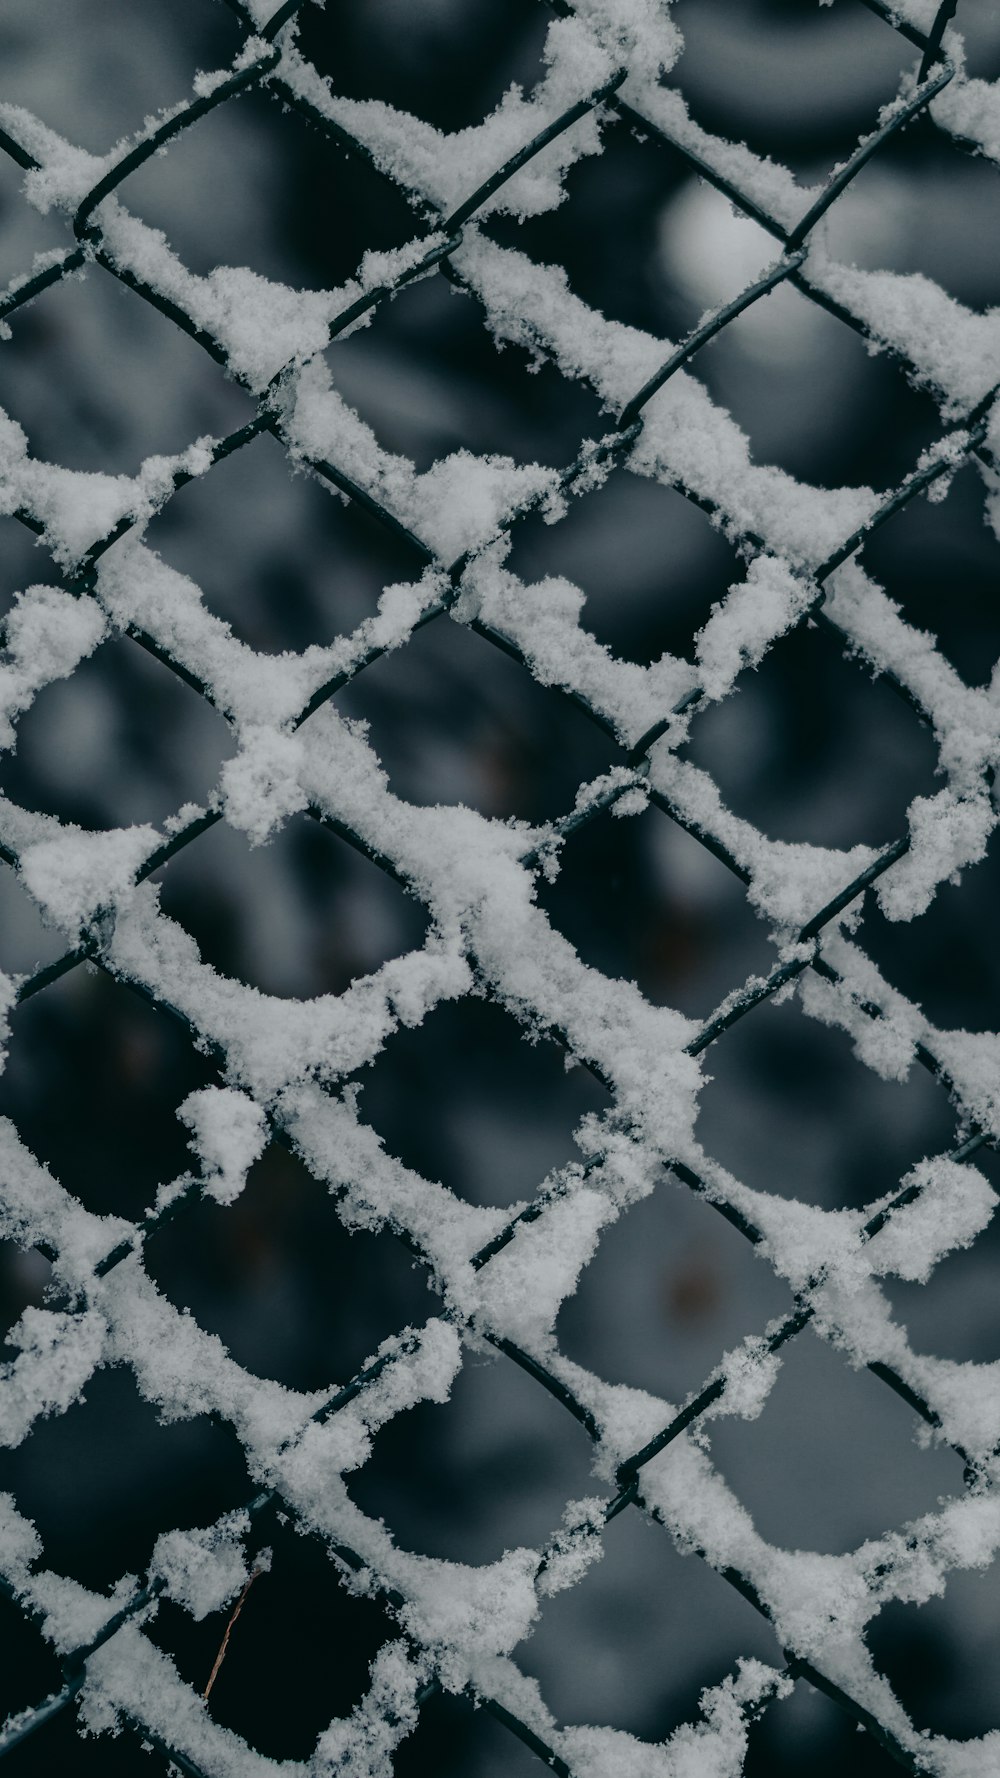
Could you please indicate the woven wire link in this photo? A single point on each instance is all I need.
(271, 62)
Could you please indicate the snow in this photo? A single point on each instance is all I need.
(57, 1355)
(686, 439)
(228, 1133)
(76, 509)
(203, 1570)
(261, 325)
(947, 831)
(456, 505)
(76, 875)
(288, 1065)
(445, 169)
(742, 628)
(715, 1747)
(953, 349)
(749, 1373)
(48, 634)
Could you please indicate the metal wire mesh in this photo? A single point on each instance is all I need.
(795, 558)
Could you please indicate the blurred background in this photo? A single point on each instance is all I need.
(810, 749)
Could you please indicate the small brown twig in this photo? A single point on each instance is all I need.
(234, 1614)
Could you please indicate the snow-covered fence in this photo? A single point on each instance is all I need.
(501, 1276)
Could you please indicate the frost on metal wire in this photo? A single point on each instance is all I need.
(501, 1275)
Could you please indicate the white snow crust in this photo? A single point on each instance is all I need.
(285, 1063)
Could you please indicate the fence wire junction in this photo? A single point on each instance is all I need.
(278, 1069)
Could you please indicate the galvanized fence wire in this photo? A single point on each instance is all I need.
(98, 1269)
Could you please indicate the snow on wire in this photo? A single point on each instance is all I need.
(501, 1275)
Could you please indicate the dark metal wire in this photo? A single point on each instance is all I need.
(615, 448)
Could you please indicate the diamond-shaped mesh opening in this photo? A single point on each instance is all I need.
(489, 1470)
(639, 1598)
(938, 1657)
(25, 942)
(920, 229)
(705, 937)
(878, 424)
(809, 1731)
(957, 967)
(521, 385)
(383, 53)
(128, 60)
(292, 1294)
(101, 1480)
(611, 262)
(671, 1287)
(300, 1634)
(83, 378)
(836, 1429)
(800, 769)
(782, 1089)
(372, 212)
(498, 742)
(649, 563)
(304, 915)
(743, 72)
(634, 911)
(471, 1062)
(219, 181)
(75, 1045)
(243, 517)
(457, 1730)
(122, 740)
(450, 397)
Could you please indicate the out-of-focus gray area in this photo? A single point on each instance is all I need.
(810, 749)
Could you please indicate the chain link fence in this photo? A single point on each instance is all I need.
(279, 1071)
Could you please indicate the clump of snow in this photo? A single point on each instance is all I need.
(8, 1001)
(48, 634)
(202, 1570)
(65, 174)
(947, 832)
(462, 1614)
(950, 346)
(744, 625)
(75, 876)
(20, 1544)
(77, 508)
(749, 1372)
(365, 1741)
(260, 324)
(575, 1547)
(955, 1203)
(229, 1133)
(883, 1044)
(261, 784)
(524, 1287)
(58, 1353)
(639, 33)
(131, 1678)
